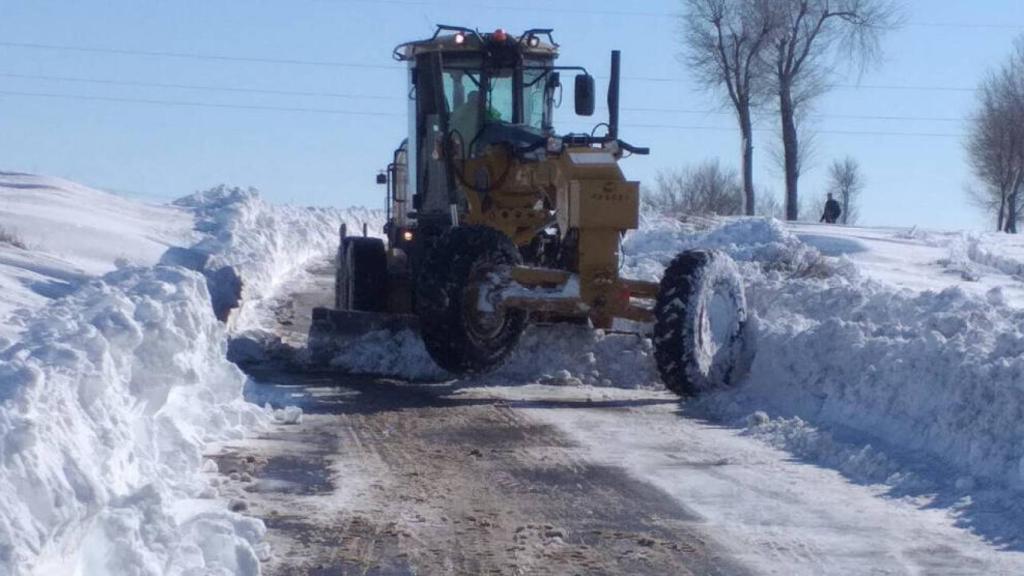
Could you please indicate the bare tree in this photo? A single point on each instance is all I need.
(725, 41)
(768, 205)
(845, 184)
(704, 190)
(807, 35)
(995, 144)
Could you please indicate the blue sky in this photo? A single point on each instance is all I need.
(63, 112)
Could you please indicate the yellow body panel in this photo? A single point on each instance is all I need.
(581, 189)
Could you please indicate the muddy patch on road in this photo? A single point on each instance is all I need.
(389, 478)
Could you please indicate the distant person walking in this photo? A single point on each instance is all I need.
(832, 210)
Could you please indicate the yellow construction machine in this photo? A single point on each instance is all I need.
(495, 221)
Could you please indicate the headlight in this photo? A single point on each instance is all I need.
(407, 235)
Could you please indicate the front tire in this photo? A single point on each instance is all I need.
(701, 332)
(460, 337)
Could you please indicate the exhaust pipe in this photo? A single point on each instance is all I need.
(613, 96)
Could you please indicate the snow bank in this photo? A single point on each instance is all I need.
(249, 246)
(111, 393)
(107, 401)
(938, 372)
(997, 252)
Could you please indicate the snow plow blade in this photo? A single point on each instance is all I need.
(333, 329)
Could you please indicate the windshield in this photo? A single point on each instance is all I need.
(474, 95)
(536, 101)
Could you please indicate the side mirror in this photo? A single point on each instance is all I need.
(584, 95)
(382, 178)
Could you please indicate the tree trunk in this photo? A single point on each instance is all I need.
(1002, 212)
(846, 208)
(790, 151)
(1011, 215)
(1011, 204)
(747, 130)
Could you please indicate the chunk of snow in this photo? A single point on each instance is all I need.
(109, 398)
(288, 415)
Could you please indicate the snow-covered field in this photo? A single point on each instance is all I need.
(114, 377)
(73, 233)
(923, 260)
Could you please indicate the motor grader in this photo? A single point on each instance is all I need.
(495, 221)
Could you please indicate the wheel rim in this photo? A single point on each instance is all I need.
(481, 325)
(718, 323)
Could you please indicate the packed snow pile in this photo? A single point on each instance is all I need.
(938, 371)
(249, 245)
(115, 378)
(941, 372)
(382, 352)
(108, 400)
(72, 233)
(1002, 252)
(577, 355)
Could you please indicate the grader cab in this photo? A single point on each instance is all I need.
(495, 220)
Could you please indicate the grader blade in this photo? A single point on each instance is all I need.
(332, 330)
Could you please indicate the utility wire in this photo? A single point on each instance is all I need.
(394, 67)
(651, 14)
(198, 56)
(209, 88)
(332, 111)
(192, 104)
(835, 132)
(818, 116)
(247, 90)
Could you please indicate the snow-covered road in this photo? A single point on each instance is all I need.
(771, 511)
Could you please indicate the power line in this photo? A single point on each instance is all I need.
(833, 132)
(332, 111)
(645, 14)
(817, 116)
(395, 67)
(198, 56)
(105, 82)
(511, 8)
(670, 79)
(192, 104)
(248, 90)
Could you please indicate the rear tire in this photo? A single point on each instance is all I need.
(362, 275)
(701, 332)
(459, 337)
